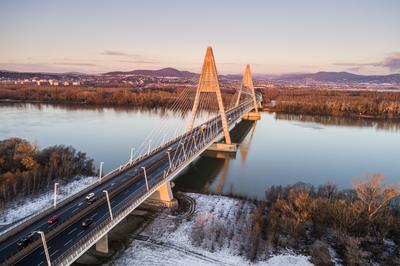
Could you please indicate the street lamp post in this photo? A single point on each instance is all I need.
(46, 251)
(131, 159)
(109, 204)
(148, 151)
(145, 178)
(101, 171)
(55, 195)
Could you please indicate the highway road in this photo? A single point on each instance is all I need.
(123, 189)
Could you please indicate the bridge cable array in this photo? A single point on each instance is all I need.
(207, 109)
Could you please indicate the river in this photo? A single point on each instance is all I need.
(277, 150)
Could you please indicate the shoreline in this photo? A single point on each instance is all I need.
(355, 116)
(130, 107)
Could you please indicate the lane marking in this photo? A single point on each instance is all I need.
(68, 242)
(51, 225)
(94, 215)
(41, 253)
(40, 263)
(81, 232)
(73, 230)
(75, 210)
(51, 255)
(80, 204)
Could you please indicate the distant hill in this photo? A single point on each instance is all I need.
(165, 72)
(319, 77)
(340, 77)
(170, 72)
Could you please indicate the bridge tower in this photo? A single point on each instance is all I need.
(208, 83)
(247, 83)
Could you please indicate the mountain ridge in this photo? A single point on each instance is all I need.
(169, 72)
(163, 72)
(339, 77)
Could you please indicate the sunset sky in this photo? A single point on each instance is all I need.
(273, 36)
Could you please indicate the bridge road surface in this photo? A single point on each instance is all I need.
(66, 238)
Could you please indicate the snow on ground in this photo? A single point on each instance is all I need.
(19, 209)
(173, 241)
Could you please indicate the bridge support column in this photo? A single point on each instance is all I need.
(252, 116)
(223, 147)
(164, 196)
(102, 245)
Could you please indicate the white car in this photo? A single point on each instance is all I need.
(89, 196)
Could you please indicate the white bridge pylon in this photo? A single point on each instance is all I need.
(208, 83)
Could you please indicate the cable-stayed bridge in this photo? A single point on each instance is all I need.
(147, 177)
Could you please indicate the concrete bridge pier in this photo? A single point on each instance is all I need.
(223, 147)
(163, 196)
(102, 245)
(252, 116)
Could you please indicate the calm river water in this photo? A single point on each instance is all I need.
(279, 149)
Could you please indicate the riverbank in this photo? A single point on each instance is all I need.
(270, 109)
(218, 233)
(373, 104)
(343, 103)
(25, 169)
(294, 226)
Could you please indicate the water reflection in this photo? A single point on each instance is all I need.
(207, 174)
(387, 125)
(285, 149)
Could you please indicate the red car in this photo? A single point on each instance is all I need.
(53, 219)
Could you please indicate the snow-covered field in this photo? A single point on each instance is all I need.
(175, 241)
(19, 209)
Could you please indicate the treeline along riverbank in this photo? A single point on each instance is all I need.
(372, 104)
(358, 226)
(25, 169)
(115, 96)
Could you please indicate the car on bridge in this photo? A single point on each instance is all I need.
(53, 219)
(85, 223)
(23, 242)
(90, 198)
(90, 195)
